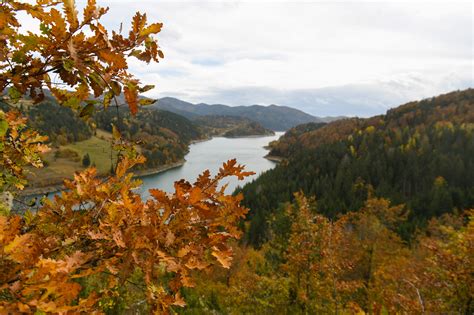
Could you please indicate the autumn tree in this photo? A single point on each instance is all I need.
(82, 52)
(318, 260)
(444, 261)
(19, 147)
(77, 252)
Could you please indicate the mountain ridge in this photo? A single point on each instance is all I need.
(274, 117)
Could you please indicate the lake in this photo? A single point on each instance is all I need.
(205, 155)
(210, 155)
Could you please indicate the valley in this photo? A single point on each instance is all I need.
(308, 157)
(162, 137)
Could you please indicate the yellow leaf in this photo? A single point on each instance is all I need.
(71, 13)
(151, 29)
(131, 96)
(224, 257)
(116, 133)
(178, 300)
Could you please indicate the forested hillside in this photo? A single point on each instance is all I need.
(419, 154)
(62, 127)
(77, 142)
(163, 137)
(362, 216)
(230, 126)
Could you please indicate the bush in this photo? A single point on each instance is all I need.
(86, 160)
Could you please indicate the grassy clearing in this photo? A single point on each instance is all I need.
(57, 169)
(99, 150)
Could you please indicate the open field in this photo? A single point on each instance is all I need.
(98, 149)
(59, 168)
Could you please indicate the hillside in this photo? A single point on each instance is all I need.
(247, 130)
(162, 137)
(272, 117)
(417, 154)
(230, 126)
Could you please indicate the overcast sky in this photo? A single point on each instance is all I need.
(325, 57)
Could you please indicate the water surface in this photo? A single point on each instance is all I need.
(210, 155)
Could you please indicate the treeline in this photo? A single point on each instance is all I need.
(249, 129)
(419, 154)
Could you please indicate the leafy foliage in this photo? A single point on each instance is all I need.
(106, 229)
(79, 50)
(19, 146)
(79, 251)
(60, 124)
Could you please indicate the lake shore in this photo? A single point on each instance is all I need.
(159, 169)
(274, 158)
(248, 136)
(30, 191)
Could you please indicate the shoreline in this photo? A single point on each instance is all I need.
(274, 158)
(136, 174)
(159, 169)
(200, 140)
(249, 136)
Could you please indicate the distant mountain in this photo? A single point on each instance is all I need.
(271, 117)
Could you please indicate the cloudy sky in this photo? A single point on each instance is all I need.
(325, 57)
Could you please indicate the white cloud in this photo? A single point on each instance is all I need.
(223, 51)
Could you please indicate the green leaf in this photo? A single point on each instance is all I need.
(146, 101)
(135, 53)
(97, 79)
(116, 88)
(45, 29)
(14, 94)
(3, 127)
(68, 64)
(107, 98)
(28, 216)
(146, 88)
(87, 111)
(72, 102)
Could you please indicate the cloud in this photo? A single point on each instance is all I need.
(364, 100)
(306, 54)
